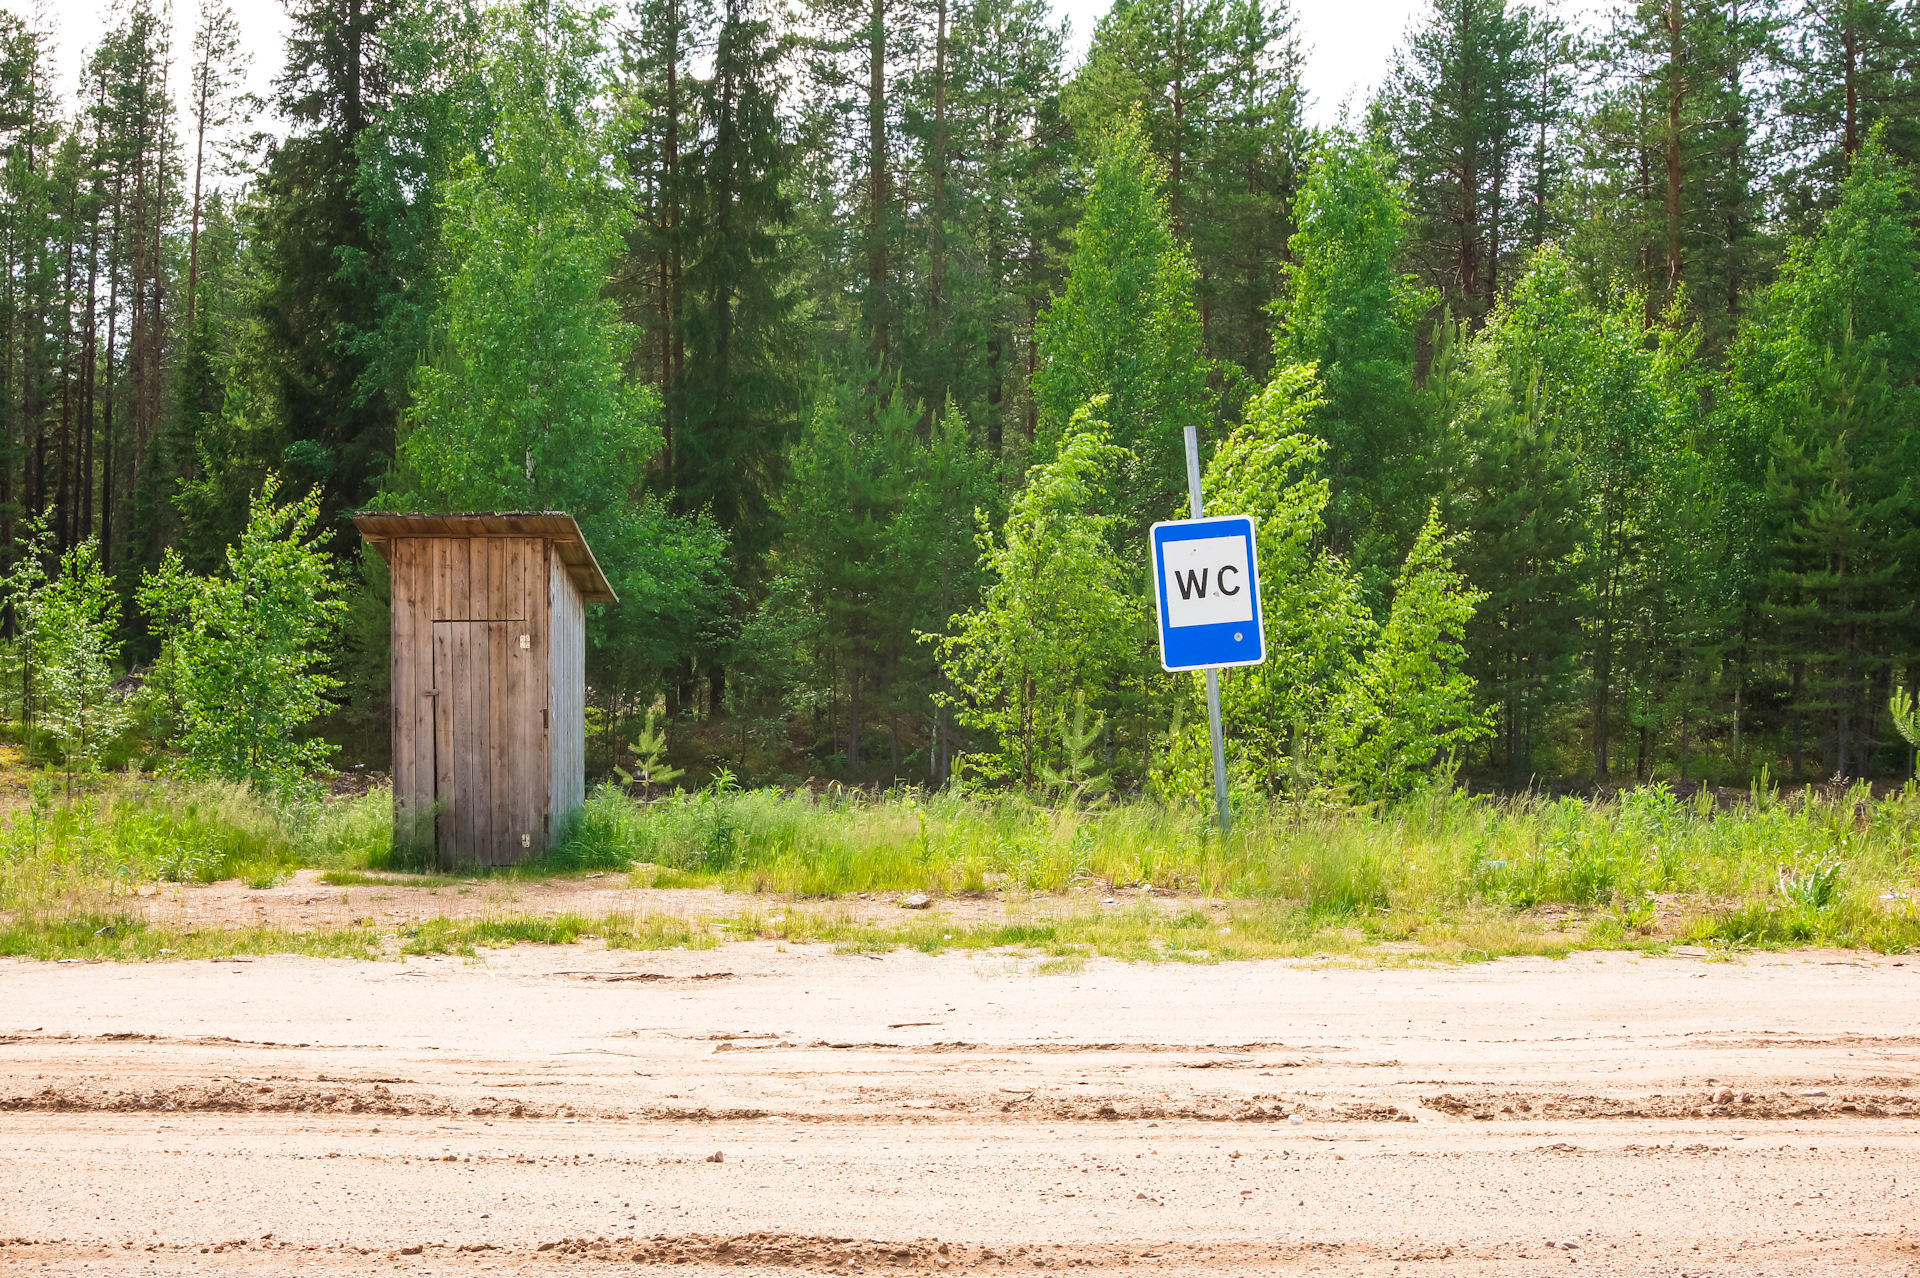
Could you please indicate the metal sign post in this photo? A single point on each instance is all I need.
(1207, 590)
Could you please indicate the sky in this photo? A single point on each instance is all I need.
(1348, 43)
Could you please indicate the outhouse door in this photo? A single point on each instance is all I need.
(489, 741)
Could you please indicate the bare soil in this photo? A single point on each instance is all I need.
(790, 1110)
(304, 903)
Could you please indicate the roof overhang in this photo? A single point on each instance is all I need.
(382, 528)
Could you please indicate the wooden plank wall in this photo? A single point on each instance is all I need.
(414, 782)
(568, 697)
(528, 678)
(470, 742)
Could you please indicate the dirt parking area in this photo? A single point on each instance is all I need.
(769, 1109)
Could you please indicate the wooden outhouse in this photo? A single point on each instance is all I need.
(489, 678)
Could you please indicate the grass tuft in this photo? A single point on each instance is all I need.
(1443, 877)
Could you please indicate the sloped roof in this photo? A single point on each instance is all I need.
(381, 527)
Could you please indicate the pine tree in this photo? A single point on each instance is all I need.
(1217, 86)
(29, 269)
(1849, 66)
(657, 49)
(736, 411)
(846, 486)
(1126, 326)
(1829, 375)
(218, 69)
(1835, 595)
(1056, 623)
(1474, 85)
(936, 572)
(976, 115)
(1676, 157)
(1351, 314)
(324, 277)
(1518, 505)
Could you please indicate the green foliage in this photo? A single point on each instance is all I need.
(1279, 714)
(880, 517)
(529, 380)
(25, 581)
(525, 404)
(1517, 504)
(1343, 706)
(1126, 327)
(735, 397)
(363, 723)
(1563, 420)
(250, 649)
(1216, 88)
(1471, 96)
(1824, 387)
(1080, 777)
(71, 623)
(649, 759)
(1905, 711)
(1350, 313)
(324, 282)
(774, 305)
(1410, 705)
(1058, 619)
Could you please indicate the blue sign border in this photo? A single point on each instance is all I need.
(1204, 647)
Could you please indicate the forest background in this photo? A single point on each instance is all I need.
(1571, 377)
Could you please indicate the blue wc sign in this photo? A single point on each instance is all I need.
(1207, 585)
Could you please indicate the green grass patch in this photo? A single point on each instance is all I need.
(120, 938)
(1247, 932)
(1443, 875)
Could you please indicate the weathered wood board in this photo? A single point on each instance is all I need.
(489, 679)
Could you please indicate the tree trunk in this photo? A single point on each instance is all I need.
(199, 163)
(675, 265)
(1174, 151)
(106, 422)
(995, 431)
(937, 273)
(877, 181)
(1736, 167)
(1676, 94)
(853, 723)
(1850, 54)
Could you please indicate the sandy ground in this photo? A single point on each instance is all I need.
(303, 903)
(770, 1110)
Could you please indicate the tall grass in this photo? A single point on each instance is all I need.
(1767, 869)
(65, 855)
(1802, 867)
